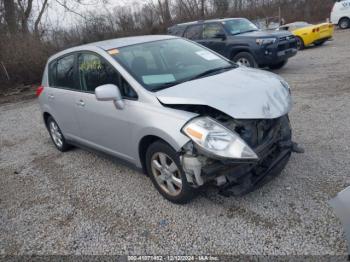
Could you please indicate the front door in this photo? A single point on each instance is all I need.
(212, 37)
(102, 125)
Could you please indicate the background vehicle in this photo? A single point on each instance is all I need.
(308, 34)
(341, 14)
(241, 41)
(341, 206)
(165, 104)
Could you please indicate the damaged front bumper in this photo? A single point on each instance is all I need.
(239, 177)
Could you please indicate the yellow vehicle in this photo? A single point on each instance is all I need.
(308, 34)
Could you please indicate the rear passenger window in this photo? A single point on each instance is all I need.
(194, 32)
(62, 73)
(94, 72)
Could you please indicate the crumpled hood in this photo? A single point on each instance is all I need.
(242, 93)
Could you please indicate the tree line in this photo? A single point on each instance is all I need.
(27, 39)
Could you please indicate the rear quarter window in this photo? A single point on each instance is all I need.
(176, 30)
(62, 73)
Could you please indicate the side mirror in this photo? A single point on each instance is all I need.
(110, 92)
(220, 35)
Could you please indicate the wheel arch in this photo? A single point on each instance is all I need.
(149, 139)
(235, 51)
(46, 116)
(144, 144)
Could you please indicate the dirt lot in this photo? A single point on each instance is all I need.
(82, 203)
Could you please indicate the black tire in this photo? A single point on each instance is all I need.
(300, 43)
(279, 65)
(320, 43)
(245, 59)
(186, 193)
(344, 23)
(63, 146)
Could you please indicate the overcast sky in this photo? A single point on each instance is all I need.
(58, 16)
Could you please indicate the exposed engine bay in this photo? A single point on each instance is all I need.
(271, 139)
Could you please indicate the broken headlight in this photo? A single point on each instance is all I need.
(214, 138)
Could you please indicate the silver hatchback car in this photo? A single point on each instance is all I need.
(180, 112)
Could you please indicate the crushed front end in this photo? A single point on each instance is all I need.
(271, 141)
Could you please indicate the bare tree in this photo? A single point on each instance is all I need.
(10, 16)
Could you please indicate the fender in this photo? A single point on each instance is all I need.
(234, 49)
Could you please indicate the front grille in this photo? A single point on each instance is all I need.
(287, 38)
(256, 132)
(286, 42)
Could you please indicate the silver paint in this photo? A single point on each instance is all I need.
(242, 93)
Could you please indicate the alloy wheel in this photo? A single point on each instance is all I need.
(298, 43)
(166, 174)
(244, 62)
(344, 24)
(56, 134)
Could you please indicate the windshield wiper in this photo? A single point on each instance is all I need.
(203, 74)
(253, 30)
(212, 71)
(243, 32)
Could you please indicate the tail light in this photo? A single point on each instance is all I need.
(39, 90)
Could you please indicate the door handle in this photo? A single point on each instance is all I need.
(51, 96)
(81, 103)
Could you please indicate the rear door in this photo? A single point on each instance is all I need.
(62, 94)
(102, 125)
(194, 32)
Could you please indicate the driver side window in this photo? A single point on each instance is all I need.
(94, 71)
(212, 30)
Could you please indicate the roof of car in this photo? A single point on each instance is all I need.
(297, 23)
(116, 43)
(126, 41)
(207, 21)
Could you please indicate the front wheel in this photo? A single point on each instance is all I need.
(279, 65)
(165, 170)
(245, 59)
(344, 23)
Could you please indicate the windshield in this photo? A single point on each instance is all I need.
(239, 26)
(162, 64)
(300, 25)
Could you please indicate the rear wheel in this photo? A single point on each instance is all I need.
(300, 43)
(56, 135)
(279, 65)
(344, 23)
(245, 59)
(164, 168)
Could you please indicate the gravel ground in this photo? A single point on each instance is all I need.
(83, 203)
